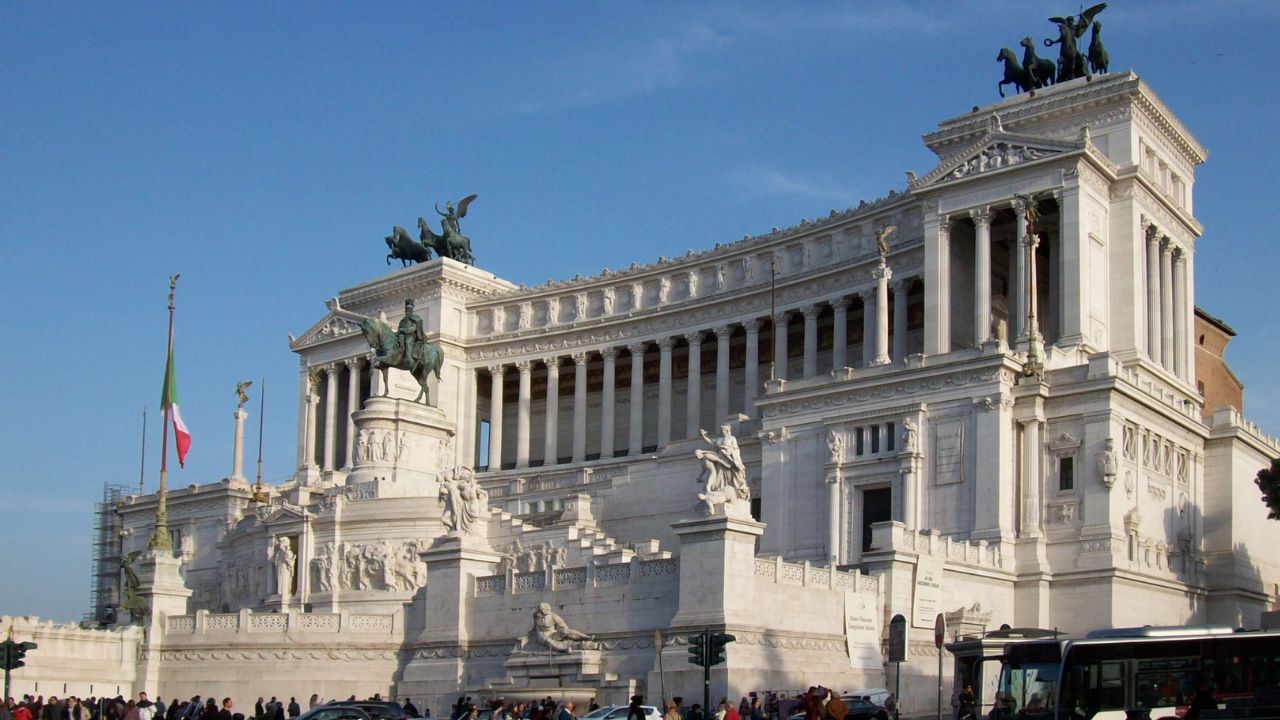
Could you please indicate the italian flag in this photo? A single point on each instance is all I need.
(169, 402)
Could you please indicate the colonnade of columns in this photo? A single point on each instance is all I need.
(640, 435)
(323, 386)
(1169, 314)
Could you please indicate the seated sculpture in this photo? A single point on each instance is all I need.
(552, 634)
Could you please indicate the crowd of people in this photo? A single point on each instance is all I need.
(33, 707)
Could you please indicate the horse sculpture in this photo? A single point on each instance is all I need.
(447, 245)
(405, 249)
(388, 353)
(1098, 58)
(1042, 70)
(1014, 73)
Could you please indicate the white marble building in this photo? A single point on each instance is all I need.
(999, 425)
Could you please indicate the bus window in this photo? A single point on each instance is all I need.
(1167, 682)
(1027, 690)
(1093, 688)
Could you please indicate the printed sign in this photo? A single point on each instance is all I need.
(862, 631)
(927, 602)
(897, 639)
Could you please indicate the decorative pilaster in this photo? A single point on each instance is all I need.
(1179, 314)
(840, 333)
(751, 370)
(551, 445)
(664, 391)
(1018, 321)
(881, 274)
(723, 335)
(981, 275)
(1153, 294)
(937, 285)
(693, 407)
(1030, 477)
(810, 313)
(607, 408)
(580, 406)
(304, 415)
(313, 402)
(523, 410)
(495, 417)
(636, 442)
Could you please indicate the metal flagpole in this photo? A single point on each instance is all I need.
(142, 462)
(160, 541)
(258, 495)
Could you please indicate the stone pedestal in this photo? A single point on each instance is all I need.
(160, 583)
(402, 449)
(580, 668)
(716, 553)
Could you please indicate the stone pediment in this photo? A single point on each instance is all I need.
(338, 323)
(996, 150)
(283, 514)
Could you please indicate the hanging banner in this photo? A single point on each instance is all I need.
(862, 631)
(927, 602)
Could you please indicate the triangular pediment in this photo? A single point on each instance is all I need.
(996, 150)
(283, 514)
(338, 323)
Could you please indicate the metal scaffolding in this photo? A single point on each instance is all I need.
(104, 591)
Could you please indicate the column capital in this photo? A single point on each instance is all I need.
(839, 303)
(981, 216)
(723, 332)
(524, 366)
(1179, 255)
(783, 317)
(752, 326)
(1153, 233)
(665, 344)
(355, 363)
(1166, 244)
(867, 295)
(694, 338)
(334, 368)
(881, 271)
(609, 353)
(496, 370)
(1031, 240)
(553, 364)
(638, 348)
(811, 310)
(901, 284)
(1019, 206)
(944, 228)
(581, 358)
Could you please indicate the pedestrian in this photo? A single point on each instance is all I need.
(294, 710)
(671, 712)
(635, 711)
(225, 712)
(566, 712)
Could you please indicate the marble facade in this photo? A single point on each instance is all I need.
(892, 421)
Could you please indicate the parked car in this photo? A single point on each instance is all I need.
(619, 712)
(875, 695)
(600, 712)
(375, 709)
(335, 712)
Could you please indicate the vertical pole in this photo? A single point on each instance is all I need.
(142, 465)
(706, 675)
(160, 540)
(897, 689)
(662, 678)
(940, 652)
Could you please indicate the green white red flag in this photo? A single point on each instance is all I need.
(169, 402)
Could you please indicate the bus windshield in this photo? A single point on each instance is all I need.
(1026, 690)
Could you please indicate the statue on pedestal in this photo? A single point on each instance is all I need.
(405, 348)
(133, 601)
(723, 472)
(285, 559)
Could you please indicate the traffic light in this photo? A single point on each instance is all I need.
(715, 650)
(698, 649)
(14, 652)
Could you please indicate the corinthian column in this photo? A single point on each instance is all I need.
(981, 275)
(1180, 344)
(810, 313)
(840, 332)
(882, 273)
(664, 391)
(495, 417)
(330, 415)
(869, 314)
(237, 448)
(780, 346)
(525, 368)
(607, 408)
(579, 406)
(353, 404)
(900, 290)
(751, 371)
(1153, 293)
(550, 447)
(693, 403)
(636, 442)
(723, 335)
(1166, 303)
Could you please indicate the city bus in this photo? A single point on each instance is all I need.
(1139, 672)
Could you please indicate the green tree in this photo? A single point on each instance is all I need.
(1268, 481)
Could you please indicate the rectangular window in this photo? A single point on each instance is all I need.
(874, 431)
(891, 431)
(1066, 473)
(857, 441)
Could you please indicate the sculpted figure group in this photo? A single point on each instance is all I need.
(451, 243)
(1035, 72)
(464, 504)
(724, 475)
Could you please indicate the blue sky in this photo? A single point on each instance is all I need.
(263, 150)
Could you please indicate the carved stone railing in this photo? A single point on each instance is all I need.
(779, 572)
(592, 575)
(246, 621)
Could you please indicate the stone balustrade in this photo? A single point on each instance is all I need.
(894, 536)
(246, 621)
(805, 574)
